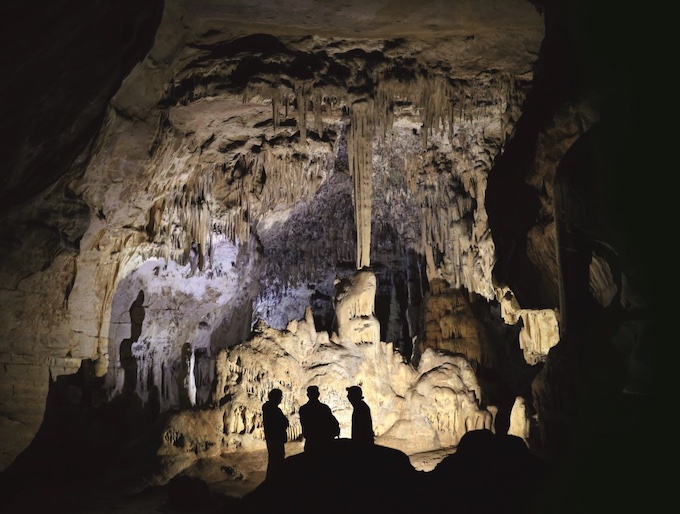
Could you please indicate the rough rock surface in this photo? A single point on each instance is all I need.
(414, 410)
(222, 135)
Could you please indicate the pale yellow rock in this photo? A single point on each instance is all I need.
(520, 422)
(413, 410)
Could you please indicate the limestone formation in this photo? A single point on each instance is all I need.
(360, 154)
(540, 328)
(520, 421)
(355, 309)
(414, 409)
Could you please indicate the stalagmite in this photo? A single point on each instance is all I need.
(520, 422)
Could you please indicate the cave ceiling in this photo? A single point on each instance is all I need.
(239, 113)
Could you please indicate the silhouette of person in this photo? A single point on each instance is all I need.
(319, 425)
(362, 423)
(275, 424)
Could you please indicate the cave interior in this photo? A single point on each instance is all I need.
(439, 201)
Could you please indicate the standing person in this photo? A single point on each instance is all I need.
(362, 423)
(319, 425)
(275, 425)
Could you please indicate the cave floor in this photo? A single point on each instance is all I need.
(96, 496)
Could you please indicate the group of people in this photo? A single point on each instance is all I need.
(319, 425)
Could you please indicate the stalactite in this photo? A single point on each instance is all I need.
(276, 100)
(383, 109)
(302, 93)
(435, 102)
(318, 113)
(184, 222)
(360, 154)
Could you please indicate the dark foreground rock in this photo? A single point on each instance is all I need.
(489, 473)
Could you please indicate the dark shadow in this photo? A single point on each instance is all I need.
(127, 360)
(319, 425)
(344, 477)
(79, 439)
(275, 425)
(489, 474)
(362, 422)
(187, 493)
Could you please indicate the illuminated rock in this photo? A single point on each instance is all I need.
(413, 410)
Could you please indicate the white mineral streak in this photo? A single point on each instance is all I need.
(190, 383)
(360, 154)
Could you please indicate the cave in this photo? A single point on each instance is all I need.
(438, 201)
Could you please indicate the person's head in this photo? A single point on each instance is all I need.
(275, 396)
(313, 392)
(354, 394)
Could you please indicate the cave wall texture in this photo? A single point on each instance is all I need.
(174, 172)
